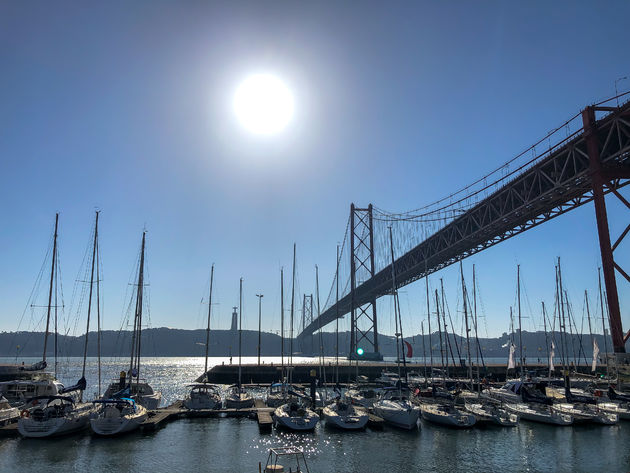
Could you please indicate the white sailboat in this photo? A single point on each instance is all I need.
(117, 416)
(279, 394)
(138, 389)
(203, 395)
(8, 414)
(19, 391)
(363, 397)
(54, 416)
(491, 413)
(345, 416)
(447, 415)
(621, 409)
(237, 397)
(540, 413)
(58, 415)
(586, 413)
(23, 383)
(394, 405)
(387, 378)
(395, 408)
(295, 416)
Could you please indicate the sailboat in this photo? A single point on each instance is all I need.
(204, 395)
(139, 390)
(8, 414)
(37, 382)
(279, 393)
(59, 414)
(394, 406)
(486, 412)
(295, 414)
(544, 414)
(483, 410)
(446, 414)
(237, 397)
(345, 416)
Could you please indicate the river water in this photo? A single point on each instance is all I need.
(235, 445)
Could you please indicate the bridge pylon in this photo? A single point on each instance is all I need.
(363, 321)
(307, 345)
(602, 179)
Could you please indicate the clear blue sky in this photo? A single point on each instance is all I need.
(126, 106)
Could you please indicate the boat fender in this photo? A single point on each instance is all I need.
(25, 413)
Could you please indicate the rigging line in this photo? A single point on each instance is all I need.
(500, 168)
(339, 259)
(612, 98)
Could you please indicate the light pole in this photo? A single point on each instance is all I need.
(617, 93)
(260, 296)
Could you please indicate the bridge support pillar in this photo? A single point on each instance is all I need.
(608, 262)
(363, 321)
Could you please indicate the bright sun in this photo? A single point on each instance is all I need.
(263, 104)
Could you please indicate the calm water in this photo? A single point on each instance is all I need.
(235, 445)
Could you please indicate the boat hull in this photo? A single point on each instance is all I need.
(198, 403)
(461, 421)
(9, 415)
(149, 401)
(550, 418)
(284, 419)
(404, 418)
(231, 403)
(345, 422)
(109, 427)
(53, 427)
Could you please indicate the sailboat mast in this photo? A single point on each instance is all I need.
(319, 325)
(205, 370)
(282, 324)
(507, 372)
(292, 308)
(544, 314)
(588, 317)
(476, 320)
(56, 330)
(520, 326)
(437, 309)
(563, 326)
(50, 289)
(240, 328)
(337, 321)
(396, 310)
(447, 343)
(89, 310)
(426, 280)
(139, 303)
(601, 301)
(98, 313)
(465, 297)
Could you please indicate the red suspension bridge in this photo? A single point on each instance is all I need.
(584, 166)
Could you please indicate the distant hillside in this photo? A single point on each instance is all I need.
(172, 342)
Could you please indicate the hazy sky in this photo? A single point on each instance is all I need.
(127, 107)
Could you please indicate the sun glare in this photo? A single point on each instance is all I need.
(263, 104)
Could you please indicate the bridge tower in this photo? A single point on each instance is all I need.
(601, 178)
(363, 321)
(307, 319)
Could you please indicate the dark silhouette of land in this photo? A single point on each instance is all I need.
(174, 342)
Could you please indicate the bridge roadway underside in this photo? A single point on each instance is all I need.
(560, 182)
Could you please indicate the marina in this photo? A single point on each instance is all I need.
(308, 237)
(245, 440)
